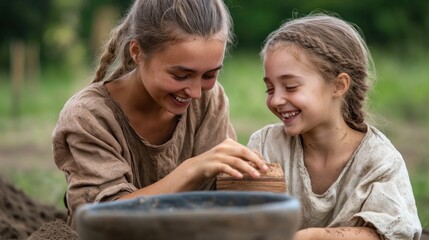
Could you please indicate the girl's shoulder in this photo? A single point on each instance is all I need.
(377, 152)
(272, 134)
(376, 141)
(274, 129)
(213, 102)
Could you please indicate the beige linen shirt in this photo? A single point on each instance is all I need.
(103, 157)
(373, 188)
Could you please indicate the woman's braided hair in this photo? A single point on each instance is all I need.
(154, 24)
(334, 46)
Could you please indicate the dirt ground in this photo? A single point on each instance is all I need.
(23, 218)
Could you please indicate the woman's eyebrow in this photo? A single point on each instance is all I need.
(185, 69)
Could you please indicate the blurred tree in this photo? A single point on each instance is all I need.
(400, 25)
(65, 30)
(97, 19)
(21, 23)
(22, 20)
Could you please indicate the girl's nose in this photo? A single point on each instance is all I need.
(278, 99)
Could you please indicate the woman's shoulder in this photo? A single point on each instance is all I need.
(214, 96)
(92, 103)
(91, 97)
(213, 102)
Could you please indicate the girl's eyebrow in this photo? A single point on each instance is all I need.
(185, 69)
(283, 77)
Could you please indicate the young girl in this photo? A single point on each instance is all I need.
(352, 182)
(155, 120)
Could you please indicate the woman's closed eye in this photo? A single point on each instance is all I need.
(180, 76)
(209, 77)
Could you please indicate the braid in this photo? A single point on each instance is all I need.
(315, 45)
(109, 55)
(127, 64)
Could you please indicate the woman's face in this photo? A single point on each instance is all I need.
(179, 73)
(297, 93)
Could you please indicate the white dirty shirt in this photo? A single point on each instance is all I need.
(372, 189)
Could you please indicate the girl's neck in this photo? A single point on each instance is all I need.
(327, 152)
(331, 141)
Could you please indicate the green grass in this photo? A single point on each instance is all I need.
(420, 185)
(400, 96)
(44, 186)
(402, 88)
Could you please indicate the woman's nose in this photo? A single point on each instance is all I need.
(193, 90)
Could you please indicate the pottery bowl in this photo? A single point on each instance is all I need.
(193, 215)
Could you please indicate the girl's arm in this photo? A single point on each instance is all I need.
(350, 233)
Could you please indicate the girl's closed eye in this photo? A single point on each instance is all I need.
(291, 88)
(269, 91)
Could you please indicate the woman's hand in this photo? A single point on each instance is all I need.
(228, 157)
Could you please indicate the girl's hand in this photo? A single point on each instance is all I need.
(228, 157)
(350, 233)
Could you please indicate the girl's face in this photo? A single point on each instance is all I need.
(179, 73)
(296, 92)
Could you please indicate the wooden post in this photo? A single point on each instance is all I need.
(17, 57)
(33, 66)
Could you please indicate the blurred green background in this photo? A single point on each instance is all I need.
(48, 51)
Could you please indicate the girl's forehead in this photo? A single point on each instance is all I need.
(290, 48)
(291, 51)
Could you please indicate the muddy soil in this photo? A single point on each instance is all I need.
(23, 218)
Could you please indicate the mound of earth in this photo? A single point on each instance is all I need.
(20, 216)
(57, 230)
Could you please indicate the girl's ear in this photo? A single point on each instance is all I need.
(135, 51)
(342, 84)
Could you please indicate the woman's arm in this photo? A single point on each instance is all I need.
(228, 157)
(349, 233)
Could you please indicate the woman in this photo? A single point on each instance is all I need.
(155, 120)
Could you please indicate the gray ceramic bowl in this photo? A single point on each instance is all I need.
(193, 215)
